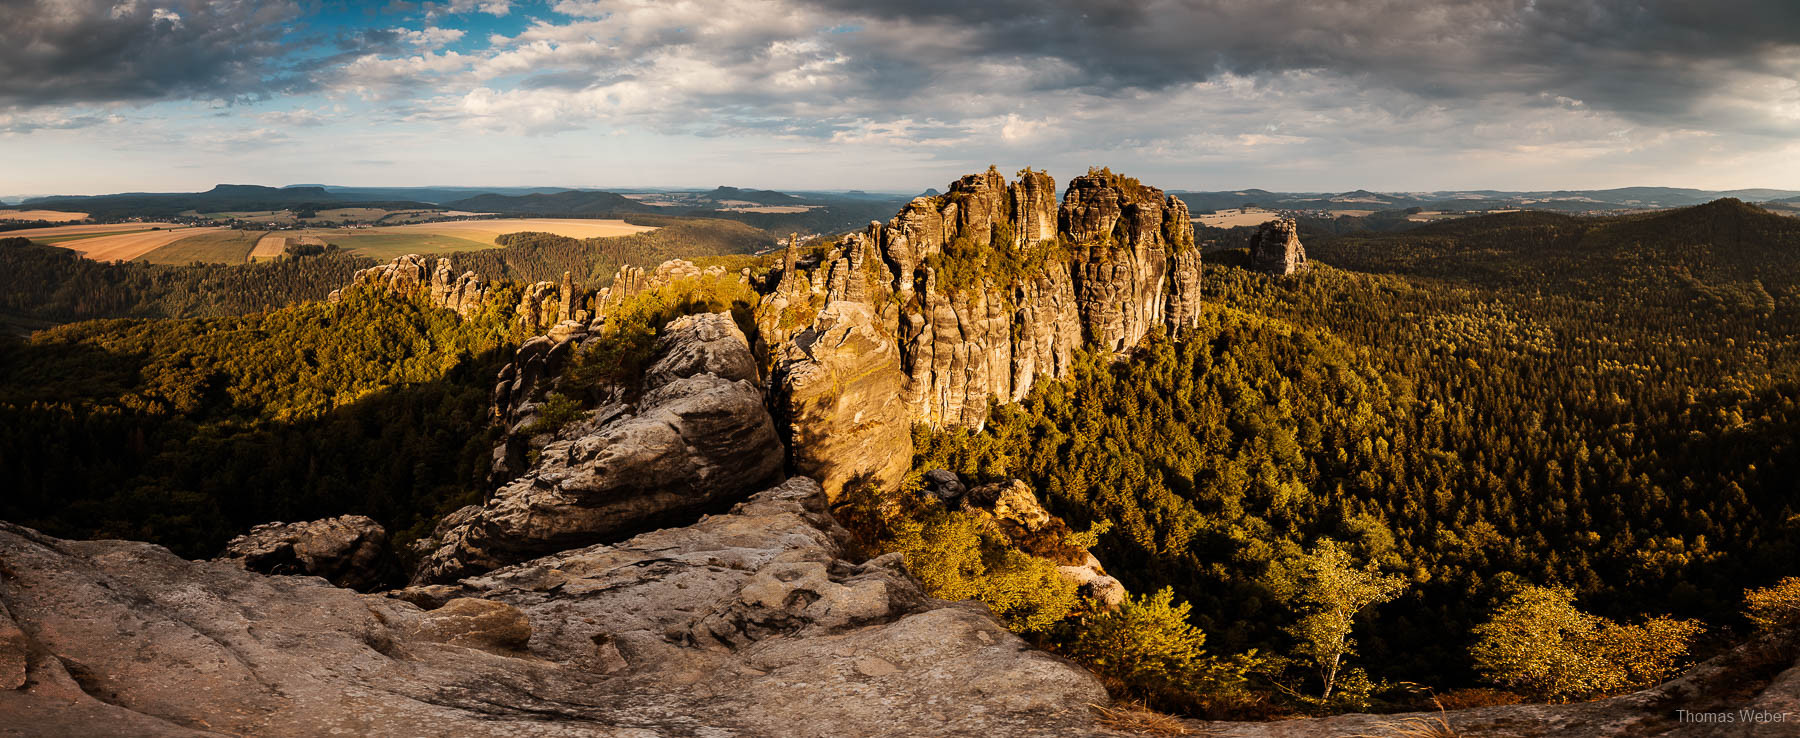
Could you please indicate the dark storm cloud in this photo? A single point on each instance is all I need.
(86, 51)
(1643, 57)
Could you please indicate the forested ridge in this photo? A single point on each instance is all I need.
(1477, 406)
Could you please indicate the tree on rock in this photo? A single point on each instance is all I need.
(1335, 590)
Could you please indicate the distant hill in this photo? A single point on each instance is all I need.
(1727, 245)
(568, 203)
(815, 213)
(1569, 201)
(221, 198)
(760, 197)
(434, 195)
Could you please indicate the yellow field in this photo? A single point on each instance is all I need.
(269, 247)
(274, 245)
(485, 231)
(87, 229)
(1236, 217)
(128, 246)
(54, 216)
(768, 209)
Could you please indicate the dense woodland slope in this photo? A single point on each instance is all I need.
(1606, 405)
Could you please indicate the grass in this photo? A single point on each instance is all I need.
(1130, 717)
(1436, 726)
(220, 247)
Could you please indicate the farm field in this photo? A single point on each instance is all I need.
(274, 245)
(486, 231)
(387, 243)
(40, 234)
(128, 246)
(53, 216)
(212, 247)
(1236, 217)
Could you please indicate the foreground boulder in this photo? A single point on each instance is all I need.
(695, 438)
(744, 624)
(348, 551)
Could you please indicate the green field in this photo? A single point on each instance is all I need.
(220, 247)
(384, 246)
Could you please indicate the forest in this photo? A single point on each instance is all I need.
(1491, 411)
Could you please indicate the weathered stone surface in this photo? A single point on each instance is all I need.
(348, 551)
(708, 343)
(745, 624)
(1275, 248)
(475, 623)
(838, 396)
(464, 293)
(690, 441)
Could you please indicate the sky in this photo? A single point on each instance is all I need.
(1298, 95)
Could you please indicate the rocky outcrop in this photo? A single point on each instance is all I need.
(464, 293)
(992, 284)
(1275, 248)
(746, 624)
(838, 399)
(694, 437)
(348, 551)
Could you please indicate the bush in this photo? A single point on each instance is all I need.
(1148, 650)
(1540, 643)
(957, 557)
(1776, 607)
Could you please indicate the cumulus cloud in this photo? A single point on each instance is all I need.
(82, 51)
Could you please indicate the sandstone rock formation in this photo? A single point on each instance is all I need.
(745, 624)
(348, 551)
(1275, 248)
(990, 285)
(463, 293)
(695, 437)
(837, 396)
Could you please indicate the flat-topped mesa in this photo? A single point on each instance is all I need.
(976, 292)
(1275, 248)
(463, 293)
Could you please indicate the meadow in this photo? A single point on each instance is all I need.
(213, 247)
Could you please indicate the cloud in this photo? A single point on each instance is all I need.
(85, 51)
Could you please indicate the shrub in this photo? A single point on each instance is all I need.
(1539, 642)
(1776, 607)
